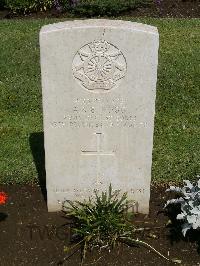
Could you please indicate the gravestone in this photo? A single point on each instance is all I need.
(99, 87)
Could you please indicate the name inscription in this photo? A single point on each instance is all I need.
(98, 113)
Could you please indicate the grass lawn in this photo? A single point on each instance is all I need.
(176, 154)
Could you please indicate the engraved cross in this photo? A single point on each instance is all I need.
(98, 152)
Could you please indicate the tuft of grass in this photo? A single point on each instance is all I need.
(177, 123)
(102, 223)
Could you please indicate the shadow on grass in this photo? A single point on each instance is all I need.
(175, 228)
(36, 141)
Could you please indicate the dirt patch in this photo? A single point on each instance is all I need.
(170, 9)
(32, 236)
(159, 8)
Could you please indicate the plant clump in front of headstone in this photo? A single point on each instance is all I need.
(102, 223)
(188, 197)
(3, 200)
(3, 197)
(99, 222)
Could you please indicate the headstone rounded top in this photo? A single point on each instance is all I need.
(93, 23)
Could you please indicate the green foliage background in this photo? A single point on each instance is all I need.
(177, 123)
(24, 6)
(82, 7)
(92, 8)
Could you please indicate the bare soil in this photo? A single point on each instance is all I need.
(32, 236)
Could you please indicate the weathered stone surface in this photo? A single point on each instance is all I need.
(99, 87)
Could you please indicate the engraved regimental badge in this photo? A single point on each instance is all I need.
(99, 66)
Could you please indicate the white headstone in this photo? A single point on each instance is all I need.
(99, 87)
